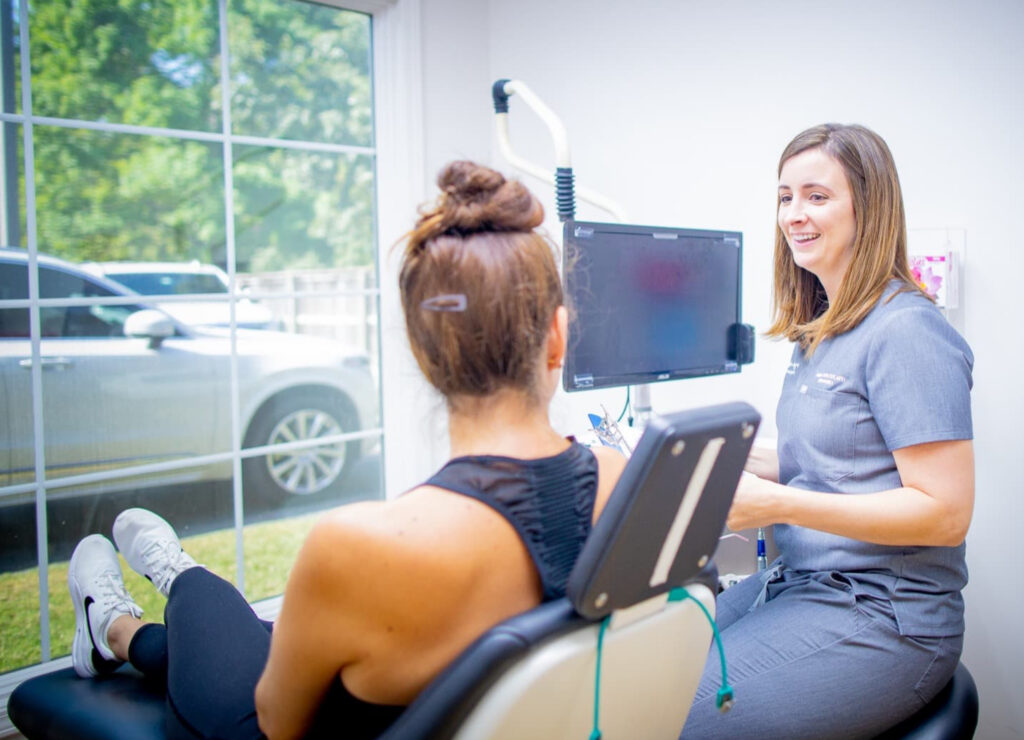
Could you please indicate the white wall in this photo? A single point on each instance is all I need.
(679, 110)
(449, 68)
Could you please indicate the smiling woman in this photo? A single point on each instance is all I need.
(871, 487)
(816, 216)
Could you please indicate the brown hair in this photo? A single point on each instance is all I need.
(479, 285)
(801, 311)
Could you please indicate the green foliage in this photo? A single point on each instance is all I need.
(298, 71)
(141, 62)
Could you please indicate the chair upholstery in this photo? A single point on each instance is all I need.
(120, 706)
(534, 675)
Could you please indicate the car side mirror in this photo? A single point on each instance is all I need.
(149, 324)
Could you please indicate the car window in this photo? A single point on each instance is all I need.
(13, 281)
(78, 321)
(13, 287)
(59, 321)
(169, 283)
(14, 323)
(59, 284)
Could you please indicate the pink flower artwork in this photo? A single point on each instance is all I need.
(924, 276)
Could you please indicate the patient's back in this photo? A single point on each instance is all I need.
(431, 571)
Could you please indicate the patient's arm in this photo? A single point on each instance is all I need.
(610, 464)
(313, 637)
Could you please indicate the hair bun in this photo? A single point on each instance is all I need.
(477, 198)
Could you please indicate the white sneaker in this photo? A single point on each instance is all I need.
(99, 597)
(151, 547)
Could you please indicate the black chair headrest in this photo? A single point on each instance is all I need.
(663, 520)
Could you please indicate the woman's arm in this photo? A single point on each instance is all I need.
(311, 639)
(610, 464)
(933, 507)
(763, 462)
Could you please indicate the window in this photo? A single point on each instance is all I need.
(188, 287)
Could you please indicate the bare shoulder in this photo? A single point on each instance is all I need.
(342, 534)
(380, 547)
(353, 546)
(340, 551)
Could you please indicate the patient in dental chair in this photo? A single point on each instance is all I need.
(384, 595)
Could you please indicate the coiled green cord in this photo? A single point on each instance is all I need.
(726, 695)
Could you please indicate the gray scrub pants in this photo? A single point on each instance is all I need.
(809, 659)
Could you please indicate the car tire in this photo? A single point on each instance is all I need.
(314, 472)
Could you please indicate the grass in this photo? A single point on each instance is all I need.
(269, 548)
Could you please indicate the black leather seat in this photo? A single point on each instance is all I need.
(121, 706)
(951, 715)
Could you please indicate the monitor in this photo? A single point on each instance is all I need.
(649, 304)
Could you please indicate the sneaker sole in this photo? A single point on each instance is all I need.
(85, 657)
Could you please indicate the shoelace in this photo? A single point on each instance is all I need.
(165, 560)
(114, 595)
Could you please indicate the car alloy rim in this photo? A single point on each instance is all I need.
(310, 469)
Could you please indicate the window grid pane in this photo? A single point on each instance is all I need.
(129, 152)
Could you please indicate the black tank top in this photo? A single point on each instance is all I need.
(549, 501)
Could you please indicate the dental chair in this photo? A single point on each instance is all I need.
(622, 653)
(537, 674)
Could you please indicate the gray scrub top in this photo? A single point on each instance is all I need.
(901, 377)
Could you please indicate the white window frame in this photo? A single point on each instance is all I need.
(398, 116)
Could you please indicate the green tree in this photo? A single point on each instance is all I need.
(298, 71)
(301, 71)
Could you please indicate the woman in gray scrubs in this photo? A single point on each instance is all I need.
(859, 622)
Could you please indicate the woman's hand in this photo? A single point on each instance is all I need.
(754, 503)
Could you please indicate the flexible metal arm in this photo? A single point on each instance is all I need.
(501, 91)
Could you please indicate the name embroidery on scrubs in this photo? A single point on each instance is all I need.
(830, 380)
(793, 367)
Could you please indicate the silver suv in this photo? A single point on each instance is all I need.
(194, 278)
(125, 384)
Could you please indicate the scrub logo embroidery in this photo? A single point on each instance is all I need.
(793, 367)
(829, 380)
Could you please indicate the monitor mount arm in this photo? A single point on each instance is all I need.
(565, 195)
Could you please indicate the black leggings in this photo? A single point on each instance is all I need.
(210, 656)
(218, 647)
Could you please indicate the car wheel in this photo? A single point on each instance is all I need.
(307, 472)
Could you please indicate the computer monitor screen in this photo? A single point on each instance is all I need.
(650, 304)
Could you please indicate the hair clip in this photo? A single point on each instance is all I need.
(445, 303)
